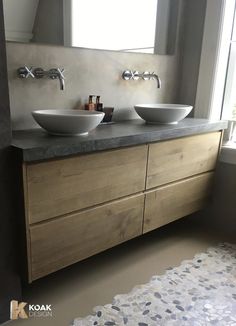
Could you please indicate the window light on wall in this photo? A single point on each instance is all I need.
(110, 19)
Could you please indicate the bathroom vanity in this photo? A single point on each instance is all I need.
(83, 195)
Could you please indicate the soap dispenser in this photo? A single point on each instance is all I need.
(99, 106)
(90, 106)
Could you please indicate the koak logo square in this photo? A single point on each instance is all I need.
(17, 310)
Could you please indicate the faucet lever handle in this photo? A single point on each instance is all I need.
(146, 75)
(55, 73)
(136, 75)
(25, 72)
(153, 75)
(60, 72)
(127, 74)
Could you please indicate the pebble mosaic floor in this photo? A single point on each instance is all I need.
(200, 292)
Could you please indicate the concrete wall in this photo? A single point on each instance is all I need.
(9, 279)
(191, 49)
(88, 72)
(224, 207)
(99, 72)
(221, 213)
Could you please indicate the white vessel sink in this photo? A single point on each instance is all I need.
(68, 122)
(163, 113)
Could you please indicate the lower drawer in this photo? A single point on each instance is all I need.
(168, 203)
(65, 240)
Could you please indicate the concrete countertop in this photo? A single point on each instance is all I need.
(37, 145)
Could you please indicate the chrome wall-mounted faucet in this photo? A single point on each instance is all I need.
(57, 73)
(54, 73)
(135, 75)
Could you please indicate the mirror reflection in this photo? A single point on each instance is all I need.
(122, 25)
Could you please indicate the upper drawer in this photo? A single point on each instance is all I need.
(59, 187)
(180, 158)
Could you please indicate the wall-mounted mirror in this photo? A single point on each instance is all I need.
(146, 26)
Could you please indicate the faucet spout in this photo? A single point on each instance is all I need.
(61, 79)
(57, 73)
(62, 83)
(148, 76)
(155, 76)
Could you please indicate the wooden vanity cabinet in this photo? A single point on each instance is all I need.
(175, 159)
(78, 206)
(54, 188)
(71, 206)
(65, 240)
(173, 201)
(178, 179)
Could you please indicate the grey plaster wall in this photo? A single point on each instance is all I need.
(221, 213)
(9, 279)
(192, 35)
(99, 72)
(168, 12)
(88, 72)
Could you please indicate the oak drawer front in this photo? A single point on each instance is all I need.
(58, 187)
(176, 159)
(66, 240)
(171, 202)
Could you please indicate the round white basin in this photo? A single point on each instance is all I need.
(162, 113)
(68, 122)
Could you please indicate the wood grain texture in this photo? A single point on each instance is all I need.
(180, 158)
(63, 186)
(60, 242)
(79, 206)
(176, 200)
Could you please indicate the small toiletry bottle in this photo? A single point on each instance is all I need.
(90, 106)
(99, 106)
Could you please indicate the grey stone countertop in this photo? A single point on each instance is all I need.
(38, 145)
